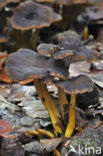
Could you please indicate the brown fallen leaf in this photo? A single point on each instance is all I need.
(4, 90)
(98, 79)
(4, 103)
(51, 144)
(77, 68)
(5, 128)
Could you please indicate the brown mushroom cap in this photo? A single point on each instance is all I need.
(26, 64)
(46, 49)
(79, 84)
(53, 50)
(79, 50)
(55, 16)
(69, 46)
(69, 2)
(31, 15)
(93, 14)
(63, 35)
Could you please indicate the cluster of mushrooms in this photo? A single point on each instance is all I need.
(49, 63)
(20, 19)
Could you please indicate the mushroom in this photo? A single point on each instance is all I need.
(25, 65)
(59, 54)
(67, 2)
(60, 36)
(74, 86)
(55, 51)
(31, 16)
(69, 7)
(93, 15)
(69, 47)
(78, 48)
(92, 19)
(68, 50)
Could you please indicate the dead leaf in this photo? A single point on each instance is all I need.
(4, 91)
(51, 144)
(21, 93)
(77, 68)
(36, 109)
(98, 79)
(4, 129)
(4, 104)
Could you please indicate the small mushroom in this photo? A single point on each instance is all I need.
(31, 16)
(25, 65)
(79, 50)
(60, 36)
(68, 2)
(34, 16)
(55, 51)
(92, 18)
(93, 15)
(69, 46)
(69, 7)
(74, 86)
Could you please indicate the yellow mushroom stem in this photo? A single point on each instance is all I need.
(32, 132)
(49, 105)
(33, 40)
(85, 33)
(40, 132)
(71, 122)
(62, 101)
(56, 152)
(47, 133)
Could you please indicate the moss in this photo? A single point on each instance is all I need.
(88, 140)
